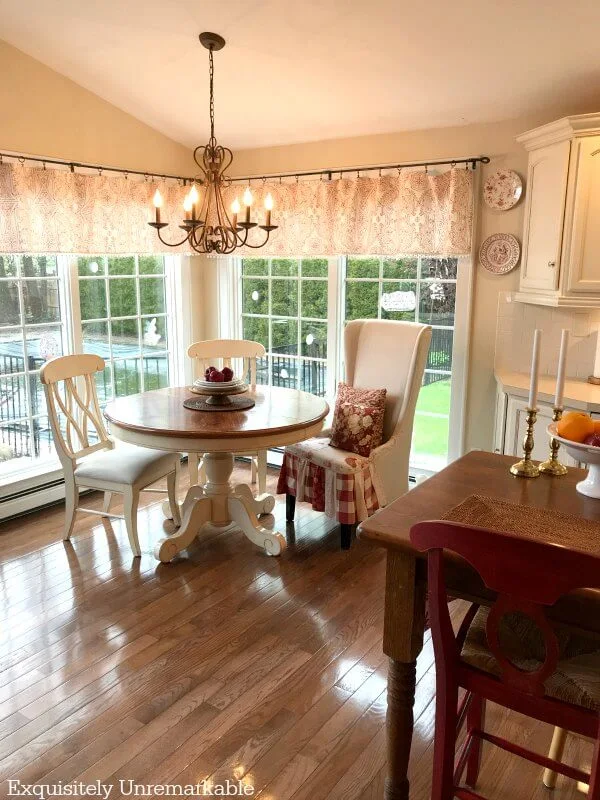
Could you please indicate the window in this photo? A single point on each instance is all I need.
(123, 309)
(284, 306)
(415, 289)
(32, 330)
(298, 308)
(117, 307)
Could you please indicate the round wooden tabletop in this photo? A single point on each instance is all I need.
(159, 419)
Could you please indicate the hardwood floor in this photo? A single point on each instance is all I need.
(224, 665)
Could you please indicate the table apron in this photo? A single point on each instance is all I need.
(242, 444)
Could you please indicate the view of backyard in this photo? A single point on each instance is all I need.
(284, 306)
(123, 312)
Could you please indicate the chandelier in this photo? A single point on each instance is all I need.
(207, 225)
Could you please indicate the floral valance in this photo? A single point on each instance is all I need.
(54, 211)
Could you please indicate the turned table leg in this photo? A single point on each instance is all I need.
(404, 625)
(220, 503)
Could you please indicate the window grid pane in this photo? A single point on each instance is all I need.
(421, 289)
(284, 306)
(32, 331)
(131, 332)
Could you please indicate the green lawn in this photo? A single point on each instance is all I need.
(430, 434)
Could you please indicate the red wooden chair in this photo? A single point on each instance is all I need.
(510, 654)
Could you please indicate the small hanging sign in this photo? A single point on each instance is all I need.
(398, 301)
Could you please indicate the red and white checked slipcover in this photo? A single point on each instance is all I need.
(340, 483)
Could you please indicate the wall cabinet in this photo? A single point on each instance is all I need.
(561, 237)
(511, 424)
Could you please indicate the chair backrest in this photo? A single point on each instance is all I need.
(387, 354)
(224, 351)
(526, 574)
(71, 393)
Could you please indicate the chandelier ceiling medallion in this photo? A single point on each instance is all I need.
(208, 227)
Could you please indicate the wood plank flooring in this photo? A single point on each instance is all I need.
(225, 665)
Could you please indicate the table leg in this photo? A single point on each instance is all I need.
(260, 504)
(195, 513)
(219, 503)
(404, 625)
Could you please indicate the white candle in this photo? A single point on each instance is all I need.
(535, 368)
(562, 365)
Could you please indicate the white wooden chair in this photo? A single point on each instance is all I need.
(224, 351)
(87, 454)
(348, 487)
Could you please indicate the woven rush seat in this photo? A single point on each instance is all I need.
(577, 676)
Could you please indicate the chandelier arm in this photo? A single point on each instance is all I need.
(197, 242)
(224, 218)
(176, 244)
(258, 246)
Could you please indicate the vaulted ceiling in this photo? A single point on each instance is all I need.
(303, 70)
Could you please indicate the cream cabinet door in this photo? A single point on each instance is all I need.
(583, 256)
(544, 214)
(516, 426)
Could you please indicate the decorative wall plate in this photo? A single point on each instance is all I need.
(503, 189)
(500, 253)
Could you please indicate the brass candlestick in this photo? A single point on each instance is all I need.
(553, 466)
(526, 468)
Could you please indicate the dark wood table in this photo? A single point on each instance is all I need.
(405, 591)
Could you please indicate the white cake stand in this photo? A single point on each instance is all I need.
(586, 453)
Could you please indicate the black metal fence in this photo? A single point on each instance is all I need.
(313, 374)
(286, 370)
(440, 355)
(15, 405)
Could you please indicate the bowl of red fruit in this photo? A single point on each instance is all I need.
(587, 452)
(218, 385)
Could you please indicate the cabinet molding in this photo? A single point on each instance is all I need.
(561, 242)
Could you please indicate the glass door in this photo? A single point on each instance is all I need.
(415, 289)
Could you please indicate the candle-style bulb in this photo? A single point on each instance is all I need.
(235, 206)
(157, 199)
(269, 202)
(248, 199)
(187, 204)
(193, 195)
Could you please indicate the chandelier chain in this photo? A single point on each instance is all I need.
(211, 75)
(207, 224)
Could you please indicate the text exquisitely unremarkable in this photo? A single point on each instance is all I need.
(128, 788)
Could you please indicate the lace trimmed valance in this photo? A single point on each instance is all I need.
(53, 211)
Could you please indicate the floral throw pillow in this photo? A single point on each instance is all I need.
(358, 419)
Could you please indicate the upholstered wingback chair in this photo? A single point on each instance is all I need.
(348, 487)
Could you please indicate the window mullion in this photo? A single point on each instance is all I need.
(140, 358)
(300, 368)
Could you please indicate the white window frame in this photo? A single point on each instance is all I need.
(231, 315)
(230, 325)
(42, 482)
(173, 349)
(50, 464)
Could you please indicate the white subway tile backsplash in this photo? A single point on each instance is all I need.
(514, 337)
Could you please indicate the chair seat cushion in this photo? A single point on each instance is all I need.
(577, 677)
(125, 465)
(334, 481)
(318, 451)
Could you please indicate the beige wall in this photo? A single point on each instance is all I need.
(494, 140)
(44, 113)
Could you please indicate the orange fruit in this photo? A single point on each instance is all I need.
(597, 426)
(575, 425)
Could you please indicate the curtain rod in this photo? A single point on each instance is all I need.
(323, 173)
(328, 173)
(73, 165)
